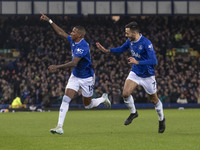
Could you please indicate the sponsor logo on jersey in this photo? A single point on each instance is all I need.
(150, 47)
(135, 54)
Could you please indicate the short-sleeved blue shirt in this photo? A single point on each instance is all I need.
(84, 66)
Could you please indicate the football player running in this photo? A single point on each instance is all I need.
(142, 72)
(82, 77)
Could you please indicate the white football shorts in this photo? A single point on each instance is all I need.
(86, 85)
(149, 83)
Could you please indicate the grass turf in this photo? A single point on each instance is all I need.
(100, 130)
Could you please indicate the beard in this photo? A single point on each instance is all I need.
(132, 38)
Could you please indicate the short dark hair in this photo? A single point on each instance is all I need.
(81, 29)
(133, 26)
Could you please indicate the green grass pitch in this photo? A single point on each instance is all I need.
(100, 130)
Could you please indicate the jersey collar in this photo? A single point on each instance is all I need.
(79, 41)
(138, 39)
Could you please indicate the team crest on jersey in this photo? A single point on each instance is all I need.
(140, 47)
(79, 51)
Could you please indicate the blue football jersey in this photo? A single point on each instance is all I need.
(84, 66)
(143, 51)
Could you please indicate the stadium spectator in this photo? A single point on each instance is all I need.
(182, 99)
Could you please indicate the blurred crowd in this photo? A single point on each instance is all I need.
(178, 77)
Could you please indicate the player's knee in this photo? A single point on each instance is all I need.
(153, 99)
(66, 99)
(88, 106)
(126, 94)
(87, 102)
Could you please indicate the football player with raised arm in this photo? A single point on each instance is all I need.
(142, 72)
(82, 78)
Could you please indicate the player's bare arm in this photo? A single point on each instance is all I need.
(58, 30)
(70, 64)
(132, 60)
(103, 49)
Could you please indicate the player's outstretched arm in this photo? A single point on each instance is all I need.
(58, 30)
(103, 49)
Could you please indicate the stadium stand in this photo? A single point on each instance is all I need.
(176, 41)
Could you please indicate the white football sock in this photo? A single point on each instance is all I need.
(159, 110)
(63, 110)
(95, 102)
(130, 104)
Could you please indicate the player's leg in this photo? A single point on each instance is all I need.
(71, 89)
(149, 85)
(69, 94)
(87, 87)
(130, 84)
(159, 109)
(90, 102)
(158, 105)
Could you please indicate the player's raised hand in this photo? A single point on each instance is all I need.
(132, 60)
(44, 17)
(103, 49)
(52, 68)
